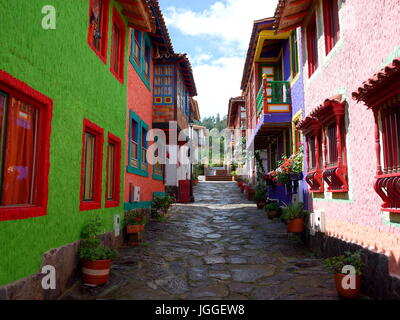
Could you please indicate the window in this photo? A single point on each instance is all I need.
(118, 46)
(25, 117)
(137, 162)
(391, 140)
(382, 95)
(332, 156)
(314, 176)
(164, 84)
(92, 159)
(312, 45)
(147, 60)
(113, 171)
(98, 27)
(331, 24)
(181, 93)
(314, 152)
(134, 142)
(387, 182)
(140, 56)
(144, 149)
(137, 46)
(326, 147)
(294, 54)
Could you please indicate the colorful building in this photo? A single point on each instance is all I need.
(273, 89)
(352, 153)
(102, 73)
(63, 94)
(144, 177)
(236, 121)
(173, 107)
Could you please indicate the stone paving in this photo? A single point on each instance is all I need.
(220, 247)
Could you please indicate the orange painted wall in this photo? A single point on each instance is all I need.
(140, 101)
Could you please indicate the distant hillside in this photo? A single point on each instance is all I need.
(213, 122)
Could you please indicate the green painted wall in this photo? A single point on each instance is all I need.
(60, 64)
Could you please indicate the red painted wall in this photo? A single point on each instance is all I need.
(140, 101)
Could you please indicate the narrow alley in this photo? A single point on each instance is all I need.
(220, 247)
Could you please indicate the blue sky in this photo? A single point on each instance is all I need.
(215, 34)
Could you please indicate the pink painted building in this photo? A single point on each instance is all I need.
(352, 157)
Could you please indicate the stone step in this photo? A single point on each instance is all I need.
(219, 178)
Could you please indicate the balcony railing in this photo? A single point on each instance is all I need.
(273, 93)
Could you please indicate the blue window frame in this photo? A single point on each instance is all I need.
(187, 104)
(140, 56)
(164, 79)
(138, 145)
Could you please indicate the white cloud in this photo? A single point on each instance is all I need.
(230, 21)
(217, 82)
(222, 35)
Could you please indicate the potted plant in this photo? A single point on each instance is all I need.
(295, 216)
(260, 196)
(96, 258)
(337, 264)
(296, 173)
(161, 206)
(272, 209)
(135, 221)
(250, 192)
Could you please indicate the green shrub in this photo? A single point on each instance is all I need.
(260, 194)
(273, 206)
(336, 264)
(91, 247)
(295, 211)
(162, 204)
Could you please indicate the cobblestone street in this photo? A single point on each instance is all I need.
(220, 247)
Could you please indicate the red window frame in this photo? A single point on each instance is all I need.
(102, 53)
(312, 45)
(331, 24)
(18, 89)
(90, 127)
(387, 180)
(115, 202)
(314, 176)
(118, 54)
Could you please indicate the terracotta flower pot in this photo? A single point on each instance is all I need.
(347, 293)
(272, 214)
(260, 205)
(250, 194)
(135, 228)
(296, 226)
(96, 272)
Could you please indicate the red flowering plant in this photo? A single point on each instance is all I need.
(288, 166)
(136, 217)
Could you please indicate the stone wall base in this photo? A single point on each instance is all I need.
(376, 280)
(66, 262)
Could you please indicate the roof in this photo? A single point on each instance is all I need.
(138, 14)
(232, 109)
(379, 80)
(160, 36)
(195, 109)
(323, 109)
(290, 14)
(258, 26)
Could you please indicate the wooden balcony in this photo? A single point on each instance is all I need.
(273, 97)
